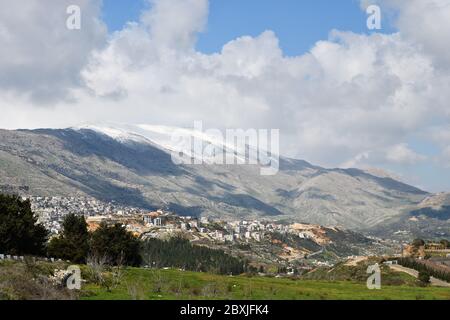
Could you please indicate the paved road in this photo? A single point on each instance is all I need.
(415, 274)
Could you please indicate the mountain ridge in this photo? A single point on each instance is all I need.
(139, 172)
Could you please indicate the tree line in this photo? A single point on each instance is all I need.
(425, 269)
(113, 245)
(180, 253)
(417, 243)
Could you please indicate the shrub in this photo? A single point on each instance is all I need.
(116, 244)
(424, 277)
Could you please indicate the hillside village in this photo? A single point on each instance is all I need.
(266, 242)
(52, 210)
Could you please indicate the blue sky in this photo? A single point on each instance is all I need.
(299, 24)
(116, 13)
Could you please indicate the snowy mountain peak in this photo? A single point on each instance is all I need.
(120, 134)
(168, 138)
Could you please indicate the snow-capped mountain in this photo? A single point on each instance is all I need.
(178, 140)
(133, 165)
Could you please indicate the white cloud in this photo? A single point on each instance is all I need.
(175, 24)
(424, 22)
(373, 97)
(402, 154)
(399, 154)
(40, 57)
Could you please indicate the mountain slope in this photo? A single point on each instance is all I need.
(131, 168)
(430, 219)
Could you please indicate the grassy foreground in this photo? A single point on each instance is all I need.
(38, 281)
(174, 284)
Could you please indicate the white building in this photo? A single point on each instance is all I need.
(157, 222)
(193, 224)
(204, 220)
(256, 236)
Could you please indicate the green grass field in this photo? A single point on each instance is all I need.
(146, 284)
(30, 281)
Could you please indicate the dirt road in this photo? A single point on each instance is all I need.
(415, 274)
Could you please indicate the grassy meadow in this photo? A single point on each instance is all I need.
(142, 284)
(36, 281)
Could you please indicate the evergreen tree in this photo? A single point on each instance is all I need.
(418, 243)
(445, 243)
(73, 243)
(424, 277)
(180, 253)
(421, 267)
(116, 245)
(20, 234)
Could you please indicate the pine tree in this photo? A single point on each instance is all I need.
(116, 244)
(73, 243)
(20, 234)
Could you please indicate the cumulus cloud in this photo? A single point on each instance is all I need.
(354, 99)
(426, 23)
(372, 98)
(402, 154)
(40, 57)
(175, 24)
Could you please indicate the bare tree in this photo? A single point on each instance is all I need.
(96, 268)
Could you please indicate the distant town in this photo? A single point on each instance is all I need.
(267, 242)
(142, 223)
